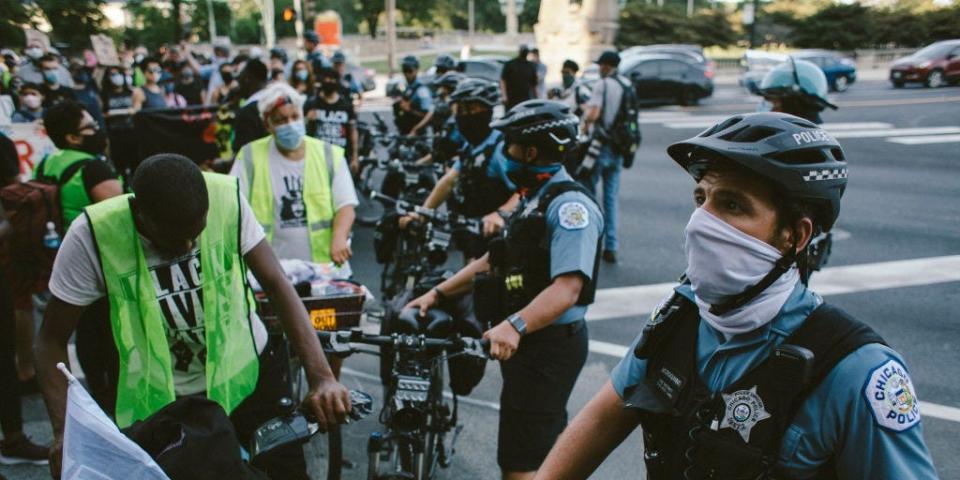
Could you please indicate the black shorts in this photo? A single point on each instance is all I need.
(537, 382)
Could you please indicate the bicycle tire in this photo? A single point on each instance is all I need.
(368, 210)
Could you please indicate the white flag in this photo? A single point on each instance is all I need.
(94, 448)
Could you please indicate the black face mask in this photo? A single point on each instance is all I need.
(227, 77)
(475, 127)
(94, 144)
(329, 88)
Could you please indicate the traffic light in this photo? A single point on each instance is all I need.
(289, 14)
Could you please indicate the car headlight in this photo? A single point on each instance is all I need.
(925, 64)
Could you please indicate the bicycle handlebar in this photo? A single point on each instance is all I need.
(475, 347)
(452, 220)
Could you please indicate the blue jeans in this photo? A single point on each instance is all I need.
(608, 168)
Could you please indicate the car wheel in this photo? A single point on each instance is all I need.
(688, 98)
(935, 79)
(841, 83)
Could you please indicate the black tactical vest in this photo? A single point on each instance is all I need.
(735, 434)
(475, 194)
(520, 261)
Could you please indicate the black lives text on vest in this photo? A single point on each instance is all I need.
(476, 194)
(520, 260)
(734, 434)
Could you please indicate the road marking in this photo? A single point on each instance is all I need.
(895, 132)
(944, 412)
(611, 349)
(639, 300)
(923, 140)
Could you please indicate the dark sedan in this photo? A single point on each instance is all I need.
(839, 70)
(667, 79)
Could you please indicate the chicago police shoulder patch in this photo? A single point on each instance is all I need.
(574, 216)
(891, 396)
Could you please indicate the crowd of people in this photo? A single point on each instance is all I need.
(154, 283)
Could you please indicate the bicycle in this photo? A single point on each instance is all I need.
(415, 415)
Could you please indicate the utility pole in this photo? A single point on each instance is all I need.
(470, 16)
(689, 8)
(392, 36)
(212, 21)
(512, 18)
(269, 32)
(298, 25)
(753, 24)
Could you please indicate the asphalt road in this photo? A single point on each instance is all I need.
(901, 205)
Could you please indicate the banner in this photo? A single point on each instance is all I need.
(38, 37)
(194, 132)
(32, 144)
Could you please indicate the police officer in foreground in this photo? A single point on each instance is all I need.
(476, 182)
(415, 108)
(534, 285)
(743, 372)
(797, 87)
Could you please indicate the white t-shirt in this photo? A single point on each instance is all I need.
(291, 238)
(78, 280)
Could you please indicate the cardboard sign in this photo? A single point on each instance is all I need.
(104, 49)
(36, 36)
(32, 144)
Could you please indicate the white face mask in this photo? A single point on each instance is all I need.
(723, 261)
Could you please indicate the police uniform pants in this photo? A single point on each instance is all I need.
(285, 462)
(537, 382)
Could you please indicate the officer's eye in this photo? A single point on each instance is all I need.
(733, 207)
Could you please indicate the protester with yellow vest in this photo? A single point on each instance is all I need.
(300, 188)
(172, 260)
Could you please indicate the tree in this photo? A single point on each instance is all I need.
(73, 21)
(837, 27)
(13, 16)
(642, 24)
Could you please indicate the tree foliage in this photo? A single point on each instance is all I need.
(642, 24)
(72, 21)
(13, 15)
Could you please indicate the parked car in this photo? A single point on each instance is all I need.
(666, 79)
(487, 68)
(756, 64)
(684, 50)
(839, 70)
(934, 65)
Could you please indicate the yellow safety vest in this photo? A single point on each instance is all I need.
(146, 374)
(322, 161)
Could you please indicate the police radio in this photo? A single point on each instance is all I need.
(794, 367)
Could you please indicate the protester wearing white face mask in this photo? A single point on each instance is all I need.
(743, 372)
(31, 104)
(299, 187)
(32, 72)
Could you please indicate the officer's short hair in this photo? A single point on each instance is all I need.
(170, 189)
(278, 94)
(570, 64)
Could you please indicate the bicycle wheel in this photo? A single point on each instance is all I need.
(368, 211)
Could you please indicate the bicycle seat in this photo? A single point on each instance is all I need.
(435, 324)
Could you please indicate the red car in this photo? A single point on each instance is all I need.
(935, 65)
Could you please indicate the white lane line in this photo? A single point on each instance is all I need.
(446, 393)
(944, 412)
(895, 132)
(638, 300)
(611, 349)
(925, 139)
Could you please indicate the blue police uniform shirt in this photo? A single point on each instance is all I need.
(495, 167)
(420, 98)
(840, 421)
(574, 224)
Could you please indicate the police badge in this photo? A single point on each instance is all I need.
(744, 409)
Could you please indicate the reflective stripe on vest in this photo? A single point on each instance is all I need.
(73, 193)
(146, 376)
(317, 190)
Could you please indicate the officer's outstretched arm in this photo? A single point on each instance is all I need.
(461, 282)
(441, 191)
(598, 429)
(329, 400)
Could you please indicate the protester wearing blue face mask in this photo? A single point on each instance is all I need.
(300, 187)
(54, 91)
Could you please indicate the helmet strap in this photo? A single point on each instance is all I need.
(736, 301)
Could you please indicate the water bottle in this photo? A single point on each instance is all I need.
(51, 239)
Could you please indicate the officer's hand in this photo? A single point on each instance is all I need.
(329, 401)
(424, 302)
(407, 219)
(504, 341)
(492, 224)
(340, 251)
(312, 115)
(56, 456)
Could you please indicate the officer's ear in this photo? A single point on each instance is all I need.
(794, 238)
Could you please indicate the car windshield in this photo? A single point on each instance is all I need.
(934, 51)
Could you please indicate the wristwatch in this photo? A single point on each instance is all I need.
(517, 322)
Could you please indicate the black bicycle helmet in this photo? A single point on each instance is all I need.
(410, 62)
(445, 63)
(279, 53)
(450, 80)
(476, 90)
(799, 157)
(541, 123)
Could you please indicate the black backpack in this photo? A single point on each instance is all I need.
(624, 135)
